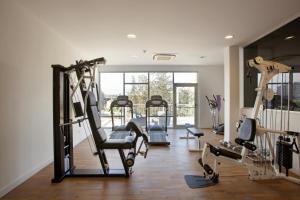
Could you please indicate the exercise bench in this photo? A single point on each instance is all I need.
(198, 133)
(187, 125)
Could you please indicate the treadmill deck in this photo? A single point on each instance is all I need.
(158, 138)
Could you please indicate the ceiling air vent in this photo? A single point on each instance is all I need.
(164, 56)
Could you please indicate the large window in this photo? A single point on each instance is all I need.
(136, 77)
(139, 87)
(111, 87)
(185, 105)
(162, 84)
(296, 91)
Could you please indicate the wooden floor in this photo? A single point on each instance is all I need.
(160, 176)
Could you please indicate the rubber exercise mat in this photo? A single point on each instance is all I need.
(197, 181)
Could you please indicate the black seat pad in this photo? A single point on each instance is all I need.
(224, 152)
(230, 154)
(195, 131)
(126, 143)
(198, 134)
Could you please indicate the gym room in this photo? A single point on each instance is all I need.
(135, 99)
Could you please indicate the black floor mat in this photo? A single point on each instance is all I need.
(197, 181)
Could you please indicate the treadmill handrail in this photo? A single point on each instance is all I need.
(163, 104)
(115, 104)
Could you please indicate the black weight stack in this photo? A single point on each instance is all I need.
(284, 154)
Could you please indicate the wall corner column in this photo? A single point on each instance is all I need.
(231, 91)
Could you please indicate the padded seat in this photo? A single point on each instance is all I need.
(195, 131)
(230, 154)
(198, 134)
(126, 143)
(224, 152)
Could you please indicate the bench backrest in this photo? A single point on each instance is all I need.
(247, 130)
(95, 120)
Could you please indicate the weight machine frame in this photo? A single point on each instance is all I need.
(268, 70)
(62, 124)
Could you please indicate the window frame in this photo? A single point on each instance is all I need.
(148, 85)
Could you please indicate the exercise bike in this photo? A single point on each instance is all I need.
(215, 108)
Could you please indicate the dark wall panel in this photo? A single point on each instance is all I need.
(282, 45)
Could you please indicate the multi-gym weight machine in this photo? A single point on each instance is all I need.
(266, 149)
(74, 102)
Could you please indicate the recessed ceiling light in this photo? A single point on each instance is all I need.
(290, 37)
(134, 56)
(131, 36)
(202, 57)
(228, 37)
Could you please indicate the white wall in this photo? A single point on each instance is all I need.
(231, 88)
(27, 49)
(210, 81)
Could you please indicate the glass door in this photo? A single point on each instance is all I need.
(185, 104)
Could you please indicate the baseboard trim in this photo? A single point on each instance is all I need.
(18, 181)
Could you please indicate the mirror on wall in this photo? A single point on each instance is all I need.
(282, 45)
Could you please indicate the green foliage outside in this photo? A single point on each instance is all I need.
(136, 88)
(138, 94)
(160, 84)
(185, 99)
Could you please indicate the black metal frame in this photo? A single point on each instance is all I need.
(63, 133)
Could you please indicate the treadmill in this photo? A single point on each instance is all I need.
(119, 132)
(157, 132)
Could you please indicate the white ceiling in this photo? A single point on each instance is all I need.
(189, 28)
